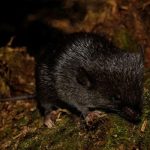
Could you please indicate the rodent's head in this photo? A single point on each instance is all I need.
(129, 91)
(117, 84)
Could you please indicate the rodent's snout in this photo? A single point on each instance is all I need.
(131, 115)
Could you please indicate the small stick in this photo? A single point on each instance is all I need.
(23, 97)
(144, 126)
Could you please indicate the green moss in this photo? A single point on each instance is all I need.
(117, 134)
(147, 79)
(65, 136)
(22, 122)
(146, 112)
(124, 40)
(29, 143)
(35, 114)
(6, 132)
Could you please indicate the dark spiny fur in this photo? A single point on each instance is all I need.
(87, 72)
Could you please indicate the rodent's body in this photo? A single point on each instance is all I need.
(87, 72)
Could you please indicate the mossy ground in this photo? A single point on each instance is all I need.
(26, 131)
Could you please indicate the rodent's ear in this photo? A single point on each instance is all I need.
(83, 78)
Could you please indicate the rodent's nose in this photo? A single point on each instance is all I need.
(131, 115)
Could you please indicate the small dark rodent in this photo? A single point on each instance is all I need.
(86, 72)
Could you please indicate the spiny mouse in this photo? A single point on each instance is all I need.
(86, 72)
